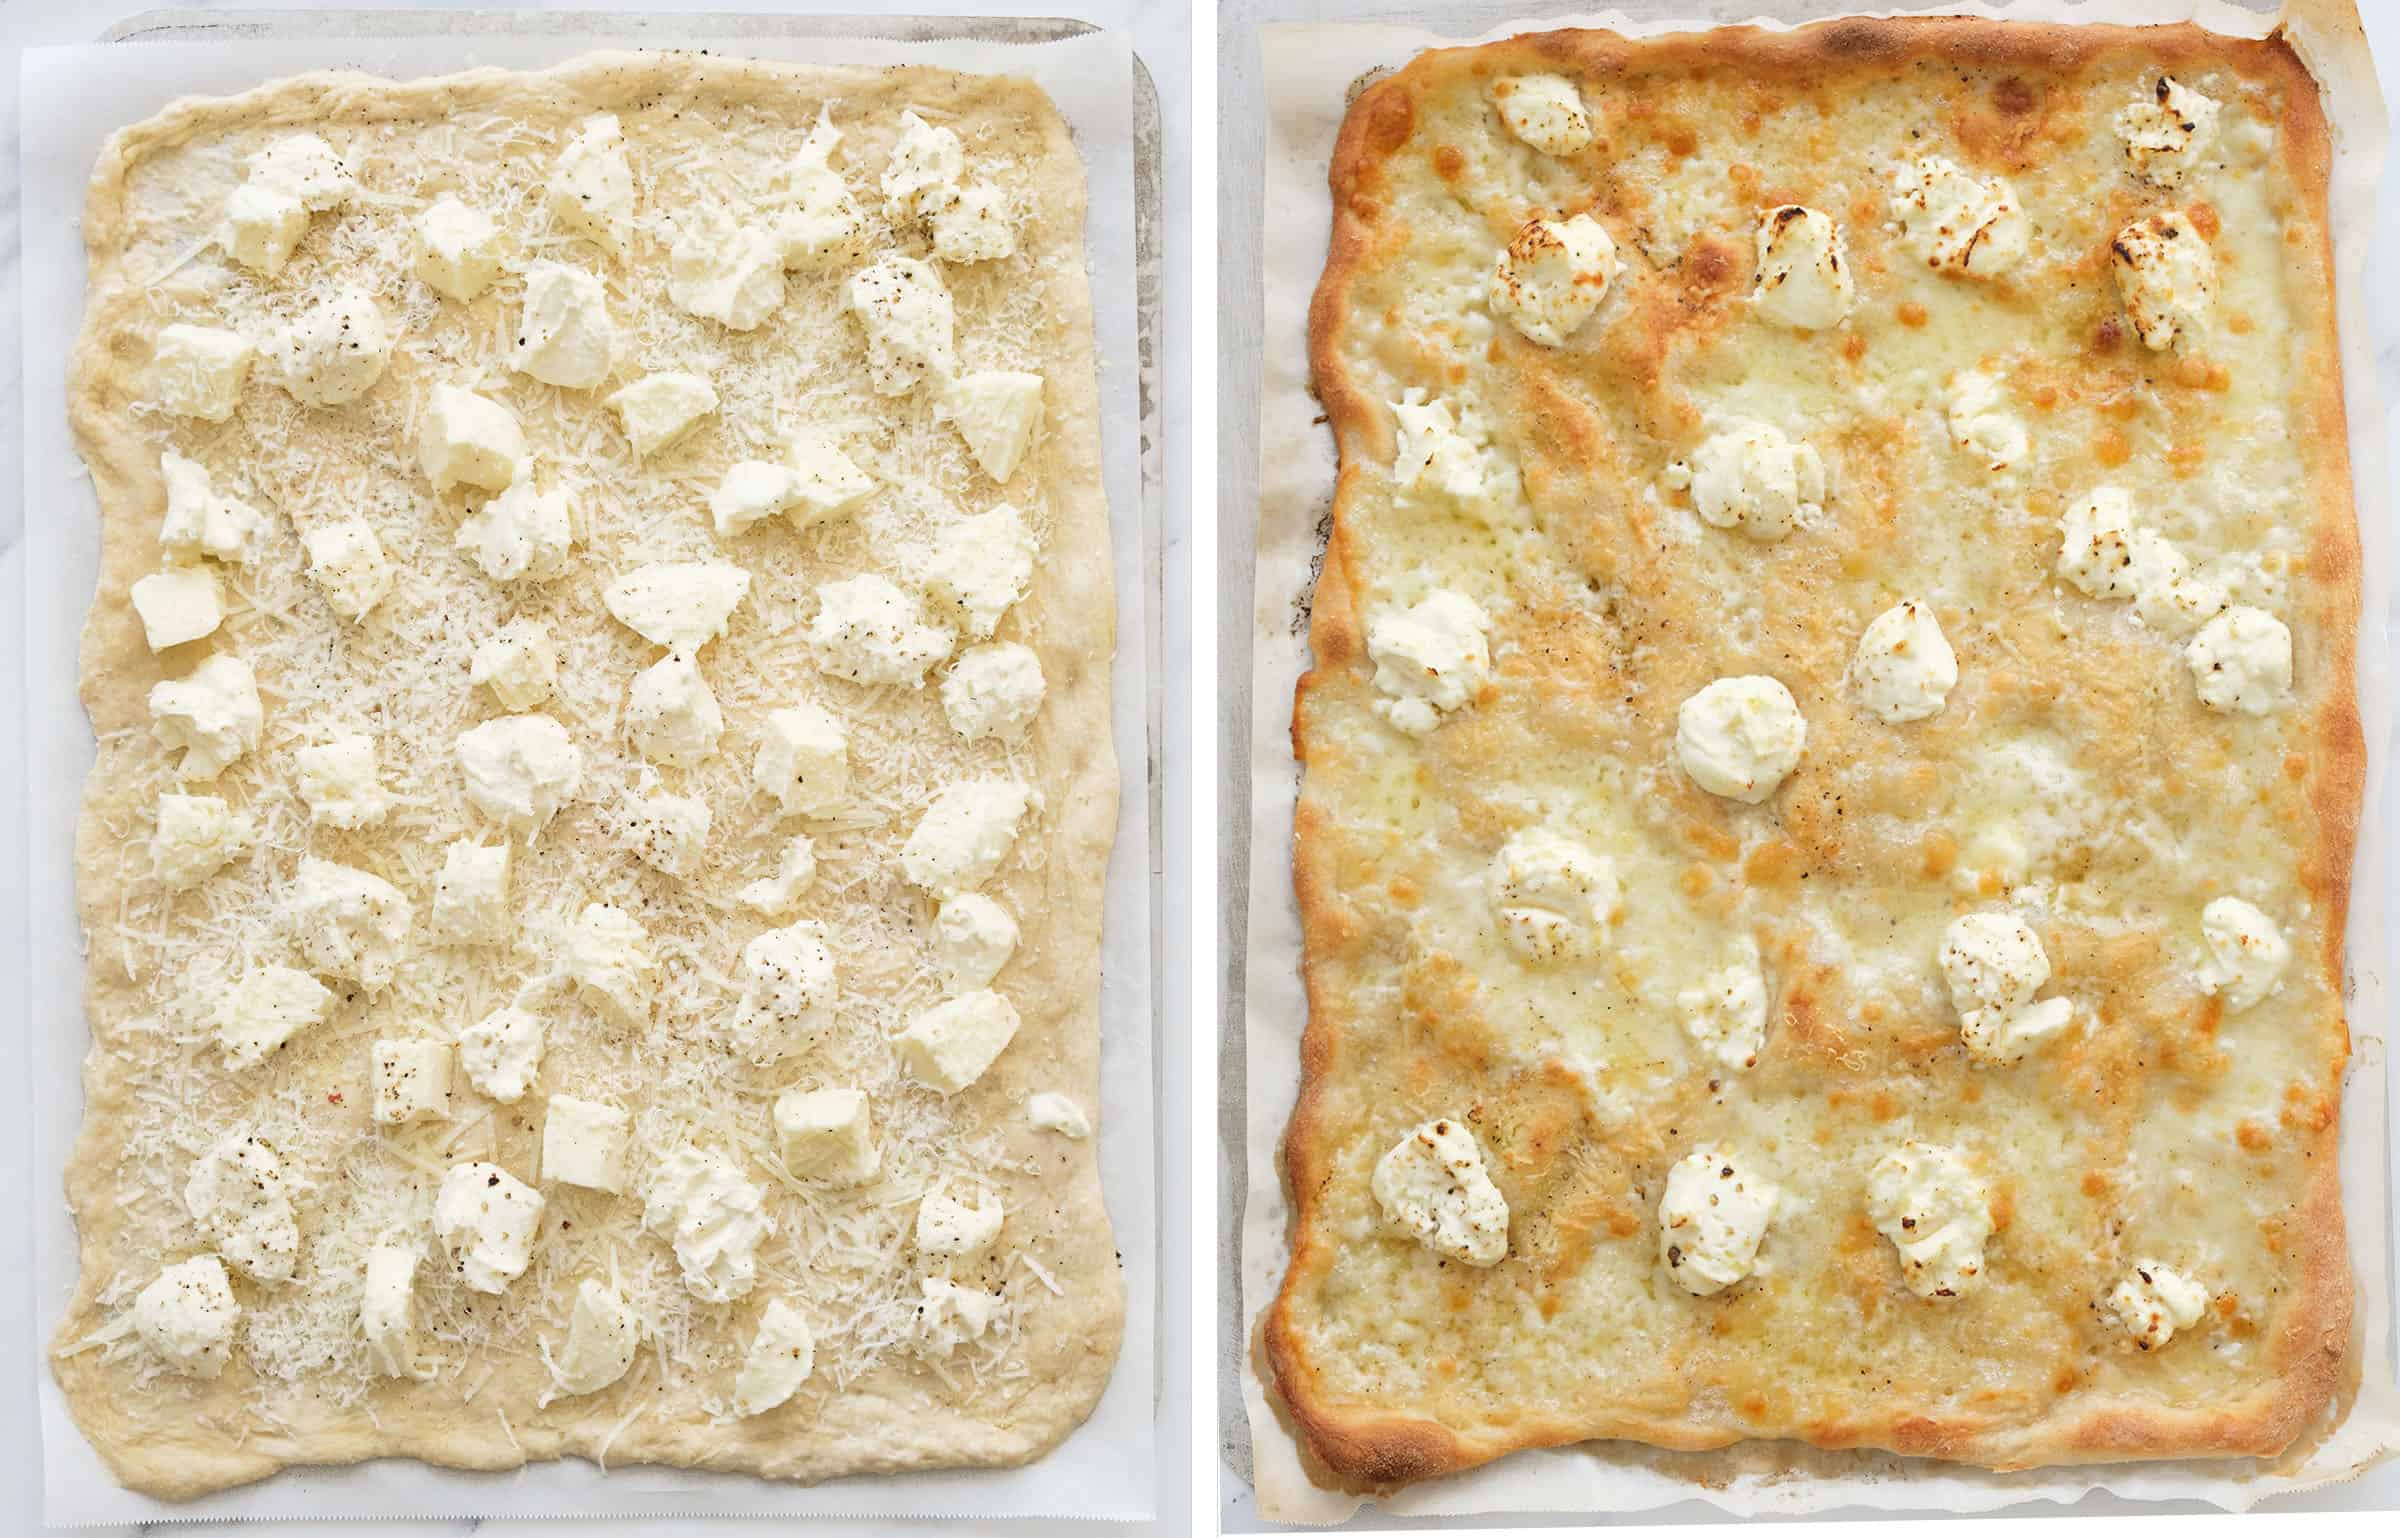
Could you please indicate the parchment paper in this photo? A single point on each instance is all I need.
(1308, 74)
(72, 99)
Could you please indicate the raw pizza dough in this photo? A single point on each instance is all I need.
(1554, 950)
(299, 1388)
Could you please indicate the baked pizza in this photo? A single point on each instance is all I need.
(1831, 759)
(601, 677)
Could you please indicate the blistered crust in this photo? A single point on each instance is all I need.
(188, 1445)
(1377, 1438)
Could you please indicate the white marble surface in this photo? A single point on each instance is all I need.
(1241, 139)
(1161, 31)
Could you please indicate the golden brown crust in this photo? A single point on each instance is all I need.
(1365, 1443)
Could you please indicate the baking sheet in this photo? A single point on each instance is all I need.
(1308, 73)
(71, 99)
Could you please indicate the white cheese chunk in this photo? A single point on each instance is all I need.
(1710, 1221)
(1904, 668)
(973, 937)
(266, 215)
(996, 412)
(1546, 111)
(521, 535)
(1552, 276)
(870, 632)
(268, 1007)
(2246, 952)
(2106, 554)
(1445, 457)
(591, 187)
(347, 563)
(1981, 425)
(487, 1219)
(201, 521)
(726, 271)
(910, 323)
(753, 491)
(781, 1356)
(671, 715)
(334, 351)
(2168, 276)
(2241, 662)
(1928, 1201)
(602, 1335)
(923, 173)
(658, 409)
(716, 1217)
(1431, 659)
(470, 896)
(458, 249)
(1550, 895)
(950, 1229)
(1750, 476)
(240, 1202)
(262, 227)
(950, 1046)
(465, 439)
(564, 334)
(949, 1315)
(2167, 132)
(212, 715)
(197, 371)
(1804, 277)
(195, 837)
(980, 567)
(520, 770)
(186, 1317)
(1726, 1015)
(776, 895)
(816, 483)
(682, 605)
(1958, 223)
(969, 829)
(1740, 737)
(819, 224)
(339, 781)
(825, 484)
(668, 833)
(993, 691)
(2153, 1302)
(177, 606)
(518, 663)
(387, 1307)
(584, 1143)
(1050, 1111)
(1994, 964)
(502, 1053)
(922, 185)
(803, 761)
(608, 958)
(306, 168)
(2168, 594)
(2096, 544)
(827, 1134)
(349, 923)
(1432, 1185)
(412, 1081)
(975, 226)
(789, 988)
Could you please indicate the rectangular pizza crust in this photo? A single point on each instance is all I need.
(299, 1390)
(2072, 775)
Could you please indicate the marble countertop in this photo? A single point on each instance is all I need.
(1162, 34)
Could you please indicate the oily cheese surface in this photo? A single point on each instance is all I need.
(2073, 778)
(300, 1386)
